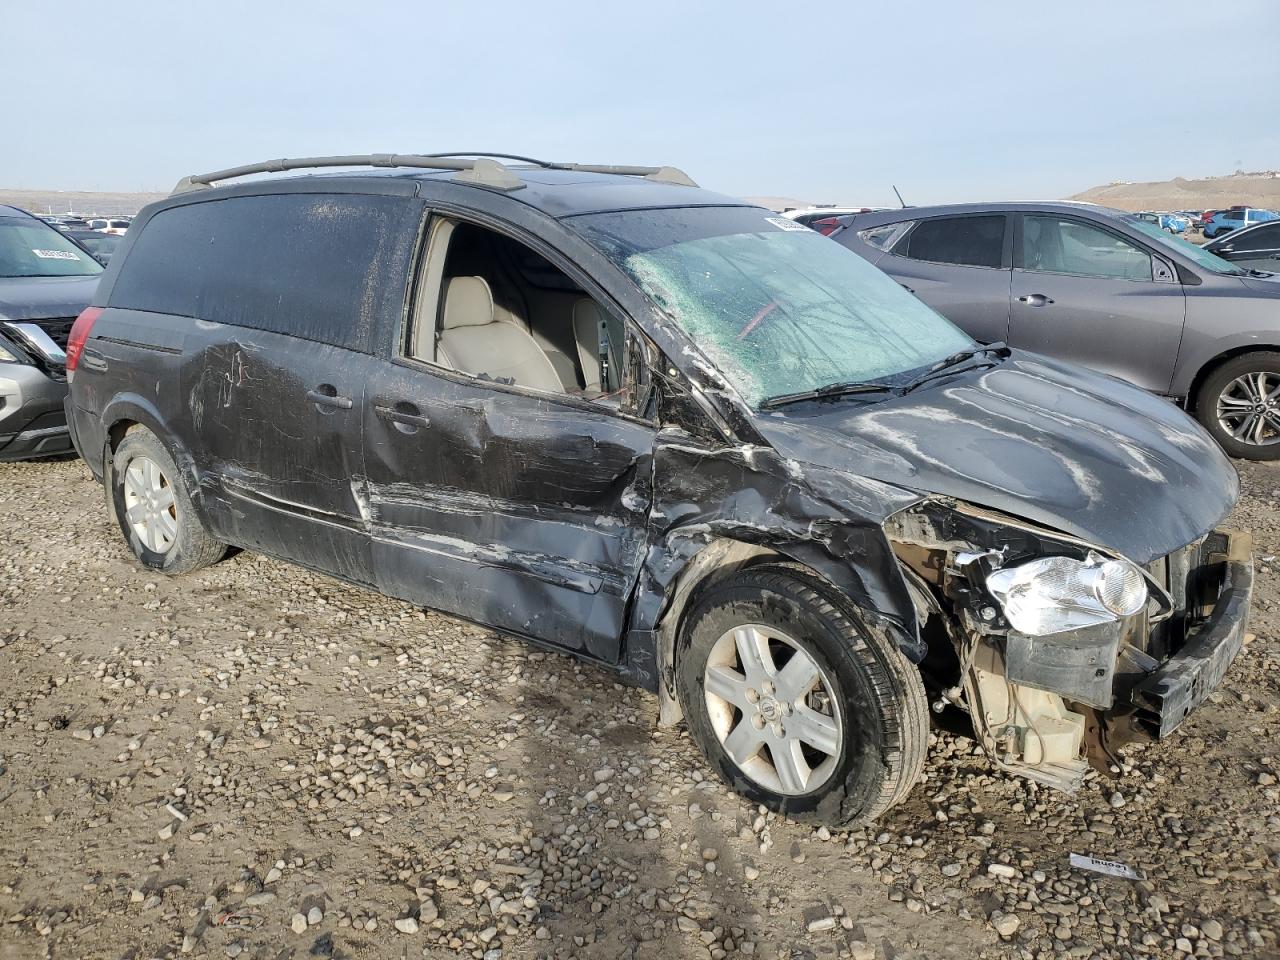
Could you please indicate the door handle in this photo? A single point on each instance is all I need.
(326, 395)
(406, 417)
(1035, 299)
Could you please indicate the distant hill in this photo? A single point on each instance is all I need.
(44, 202)
(1260, 189)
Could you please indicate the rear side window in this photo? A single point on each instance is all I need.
(884, 237)
(967, 241)
(330, 268)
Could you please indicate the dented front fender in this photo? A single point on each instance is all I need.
(717, 505)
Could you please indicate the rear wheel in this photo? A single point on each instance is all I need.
(154, 510)
(795, 703)
(1239, 403)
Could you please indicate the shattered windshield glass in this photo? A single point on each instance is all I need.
(778, 307)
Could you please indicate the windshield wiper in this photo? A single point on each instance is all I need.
(827, 392)
(947, 364)
(840, 389)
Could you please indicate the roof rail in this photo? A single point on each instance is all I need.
(483, 169)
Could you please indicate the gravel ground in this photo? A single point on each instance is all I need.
(259, 761)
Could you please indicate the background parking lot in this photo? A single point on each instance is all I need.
(259, 761)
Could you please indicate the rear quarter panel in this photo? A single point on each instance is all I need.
(131, 372)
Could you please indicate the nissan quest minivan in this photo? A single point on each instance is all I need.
(666, 431)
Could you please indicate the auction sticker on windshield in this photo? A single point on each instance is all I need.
(785, 224)
(55, 254)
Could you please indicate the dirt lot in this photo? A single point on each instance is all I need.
(258, 761)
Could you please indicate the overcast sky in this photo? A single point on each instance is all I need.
(821, 101)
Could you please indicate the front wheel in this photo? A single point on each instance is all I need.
(152, 505)
(796, 704)
(1239, 403)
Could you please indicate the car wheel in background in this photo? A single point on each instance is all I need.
(152, 506)
(1239, 403)
(795, 703)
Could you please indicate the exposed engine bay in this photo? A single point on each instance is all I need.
(1060, 651)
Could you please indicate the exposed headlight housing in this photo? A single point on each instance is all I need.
(1055, 594)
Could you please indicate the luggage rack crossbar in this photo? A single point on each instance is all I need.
(481, 169)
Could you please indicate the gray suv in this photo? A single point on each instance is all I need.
(45, 281)
(1101, 288)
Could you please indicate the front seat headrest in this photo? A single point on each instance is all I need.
(468, 302)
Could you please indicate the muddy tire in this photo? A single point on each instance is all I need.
(1239, 404)
(153, 508)
(795, 704)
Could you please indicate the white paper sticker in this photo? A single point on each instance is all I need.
(785, 224)
(1111, 868)
(55, 254)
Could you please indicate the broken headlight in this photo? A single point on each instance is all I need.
(1054, 594)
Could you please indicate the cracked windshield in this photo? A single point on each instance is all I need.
(779, 309)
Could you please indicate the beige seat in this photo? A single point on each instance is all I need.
(589, 324)
(473, 341)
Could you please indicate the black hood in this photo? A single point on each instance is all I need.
(1083, 453)
(41, 298)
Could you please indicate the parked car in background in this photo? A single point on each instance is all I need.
(102, 245)
(66, 223)
(1102, 288)
(678, 435)
(109, 225)
(1252, 248)
(1173, 222)
(1237, 218)
(45, 281)
(824, 219)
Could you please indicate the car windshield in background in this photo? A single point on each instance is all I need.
(30, 248)
(779, 308)
(1203, 258)
(99, 244)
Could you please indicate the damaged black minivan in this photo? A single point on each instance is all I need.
(607, 411)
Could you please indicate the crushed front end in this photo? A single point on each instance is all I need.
(1060, 651)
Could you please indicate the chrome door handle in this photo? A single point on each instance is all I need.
(1035, 299)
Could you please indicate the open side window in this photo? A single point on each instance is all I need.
(492, 307)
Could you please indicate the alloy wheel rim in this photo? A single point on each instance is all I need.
(149, 505)
(1248, 408)
(774, 709)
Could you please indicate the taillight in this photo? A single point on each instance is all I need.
(826, 226)
(79, 334)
